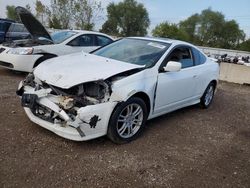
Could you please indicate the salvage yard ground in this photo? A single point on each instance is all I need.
(187, 148)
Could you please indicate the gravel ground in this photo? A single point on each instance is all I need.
(191, 147)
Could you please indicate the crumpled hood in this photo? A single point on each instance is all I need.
(70, 70)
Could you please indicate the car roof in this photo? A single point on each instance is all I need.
(86, 32)
(7, 20)
(15, 23)
(165, 40)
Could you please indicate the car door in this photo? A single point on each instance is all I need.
(202, 70)
(17, 32)
(175, 89)
(85, 42)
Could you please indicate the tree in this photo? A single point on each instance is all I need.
(85, 12)
(28, 7)
(40, 11)
(210, 29)
(54, 23)
(11, 13)
(207, 29)
(245, 45)
(190, 26)
(64, 14)
(126, 18)
(60, 11)
(234, 37)
(169, 30)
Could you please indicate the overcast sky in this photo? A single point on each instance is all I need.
(171, 10)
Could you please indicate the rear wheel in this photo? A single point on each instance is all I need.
(208, 96)
(127, 121)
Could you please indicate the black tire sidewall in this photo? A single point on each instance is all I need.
(112, 130)
(202, 102)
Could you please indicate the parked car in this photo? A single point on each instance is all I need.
(115, 89)
(24, 55)
(4, 26)
(214, 58)
(247, 64)
(9, 31)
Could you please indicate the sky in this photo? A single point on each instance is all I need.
(172, 11)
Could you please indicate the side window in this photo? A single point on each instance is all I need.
(19, 28)
(182, 55)
(11, 28)
(102, 41)
(83, 40)
(202, 58)
(23, 28)
(199, 58)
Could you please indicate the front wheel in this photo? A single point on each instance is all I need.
(208, 96)
(127, 121)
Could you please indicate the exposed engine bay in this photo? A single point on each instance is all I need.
(83, 94)
(70, 100)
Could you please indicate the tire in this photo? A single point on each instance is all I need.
(127, 121)
(208, 96)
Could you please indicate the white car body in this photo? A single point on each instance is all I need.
(240, 61)
(24, 55)
(213, 59)
(163, 92)
(26, 62)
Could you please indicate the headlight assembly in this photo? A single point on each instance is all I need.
(21, 51)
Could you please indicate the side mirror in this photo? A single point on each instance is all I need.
(172, 66)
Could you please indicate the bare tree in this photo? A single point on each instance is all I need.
(86, 12)
(40, 11)
(61, 11)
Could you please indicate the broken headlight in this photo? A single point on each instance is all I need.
(87, 93)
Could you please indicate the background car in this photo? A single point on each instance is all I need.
(24, 55)
(115, 89)
(9, 31)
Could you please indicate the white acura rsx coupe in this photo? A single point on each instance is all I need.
(115, 89)
(24, 55)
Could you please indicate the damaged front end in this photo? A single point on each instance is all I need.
(78, 113)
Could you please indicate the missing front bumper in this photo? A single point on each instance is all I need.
(44, 109)
(84, 115)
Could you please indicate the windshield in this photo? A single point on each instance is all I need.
(59, 37)
(134, 51)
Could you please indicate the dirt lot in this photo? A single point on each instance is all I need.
(187, 148)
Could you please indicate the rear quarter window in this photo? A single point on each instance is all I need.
(203, 58)
(198, 57)
(102, 41)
